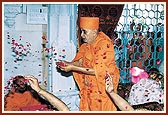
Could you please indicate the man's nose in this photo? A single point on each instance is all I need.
(81, 34)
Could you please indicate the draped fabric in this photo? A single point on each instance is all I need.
(100, 56)
(15, 101)
(146, 91)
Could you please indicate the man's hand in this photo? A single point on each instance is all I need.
(33, 82)
(64, 66)
(109, 83)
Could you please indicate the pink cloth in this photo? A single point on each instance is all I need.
(138, 74)
(35, 108)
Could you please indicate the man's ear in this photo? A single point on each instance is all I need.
(95, 32)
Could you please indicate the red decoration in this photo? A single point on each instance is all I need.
(61, 64)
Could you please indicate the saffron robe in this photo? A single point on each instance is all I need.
(15, 101)
(100, 57)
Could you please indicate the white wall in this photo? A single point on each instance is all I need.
(60, 39)
(61, 35)
(30, 37)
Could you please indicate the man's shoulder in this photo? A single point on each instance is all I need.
(83, 45)
(103, 37)
(27, 93)
(10, 95)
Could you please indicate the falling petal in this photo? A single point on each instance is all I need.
(63, 50)
(160, 49)
(26, 80)
(158, 62)
(104, 57)
(128, 46)
(99, 100)
(99, 92)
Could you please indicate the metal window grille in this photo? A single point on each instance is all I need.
(139, 38)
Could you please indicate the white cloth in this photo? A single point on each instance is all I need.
(145, 91)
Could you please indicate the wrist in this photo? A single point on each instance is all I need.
(111, 92)
(38, 91)
(74, 68)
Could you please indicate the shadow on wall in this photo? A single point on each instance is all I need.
(65, 74)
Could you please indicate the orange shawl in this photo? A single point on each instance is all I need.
(100, 57)
(15, 101)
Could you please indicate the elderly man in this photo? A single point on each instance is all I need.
(94, 59)
(20, 95)
(26, 97)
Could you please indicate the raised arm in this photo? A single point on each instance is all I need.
(75, 66)
(56, 102)
(119, 101)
